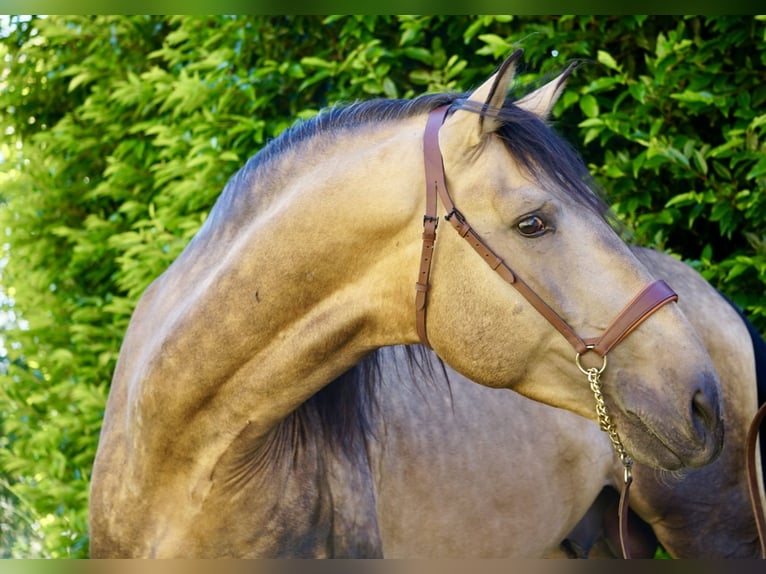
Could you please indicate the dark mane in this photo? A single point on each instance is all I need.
(548, 157)
(538, 148)
(345, 409)
(339, 118)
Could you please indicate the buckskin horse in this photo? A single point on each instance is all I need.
(306, 264)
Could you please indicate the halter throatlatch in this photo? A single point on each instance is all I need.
(649, 300)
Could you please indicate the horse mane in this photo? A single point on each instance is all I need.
(539, 149)
(346, 408)
(548, 157)
(339, 118)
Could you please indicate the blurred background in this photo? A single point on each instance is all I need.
(119, 132)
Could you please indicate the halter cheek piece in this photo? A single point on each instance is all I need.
(649, 300)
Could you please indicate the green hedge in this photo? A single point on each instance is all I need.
(120, 131)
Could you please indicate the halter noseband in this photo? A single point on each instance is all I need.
(649, 300)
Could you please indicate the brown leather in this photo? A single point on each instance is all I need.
(752, 476)
(651, 298)
(434, 180)
(623, 512)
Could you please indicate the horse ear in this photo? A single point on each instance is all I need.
(490, 95)
(541, 101)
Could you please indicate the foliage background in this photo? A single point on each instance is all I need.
(120, 131)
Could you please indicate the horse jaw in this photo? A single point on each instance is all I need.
(495, 337)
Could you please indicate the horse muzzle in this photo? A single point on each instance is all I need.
(687, 437)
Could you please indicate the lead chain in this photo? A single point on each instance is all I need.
(606, 424)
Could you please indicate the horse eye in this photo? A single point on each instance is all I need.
(532, 225)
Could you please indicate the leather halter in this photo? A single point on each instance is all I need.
(651, 298)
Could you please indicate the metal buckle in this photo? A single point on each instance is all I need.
(456, 213)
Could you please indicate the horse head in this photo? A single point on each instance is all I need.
(526, 196)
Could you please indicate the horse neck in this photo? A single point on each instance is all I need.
(263, 309)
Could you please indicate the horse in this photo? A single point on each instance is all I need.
(306, 264)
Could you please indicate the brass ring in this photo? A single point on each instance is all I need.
(585, 372)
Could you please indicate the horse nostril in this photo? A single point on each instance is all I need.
(706, 415)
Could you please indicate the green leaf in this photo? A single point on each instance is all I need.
(676, 156)
(757, 122)
(418, 53)
(737, 269)
(638, 91)
(80, 79)
(758, 170)
(607, 60)
(699, 161)
(591, 122)
(315, 62)
(688, 198)
(589, 105)
(494, 45)
(689, 96)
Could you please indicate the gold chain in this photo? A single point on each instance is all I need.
(606, 424)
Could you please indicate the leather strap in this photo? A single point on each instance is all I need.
(752, 476)
(434, 181)
(623, 512)
(651, 298)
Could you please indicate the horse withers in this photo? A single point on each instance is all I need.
(307, 262)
